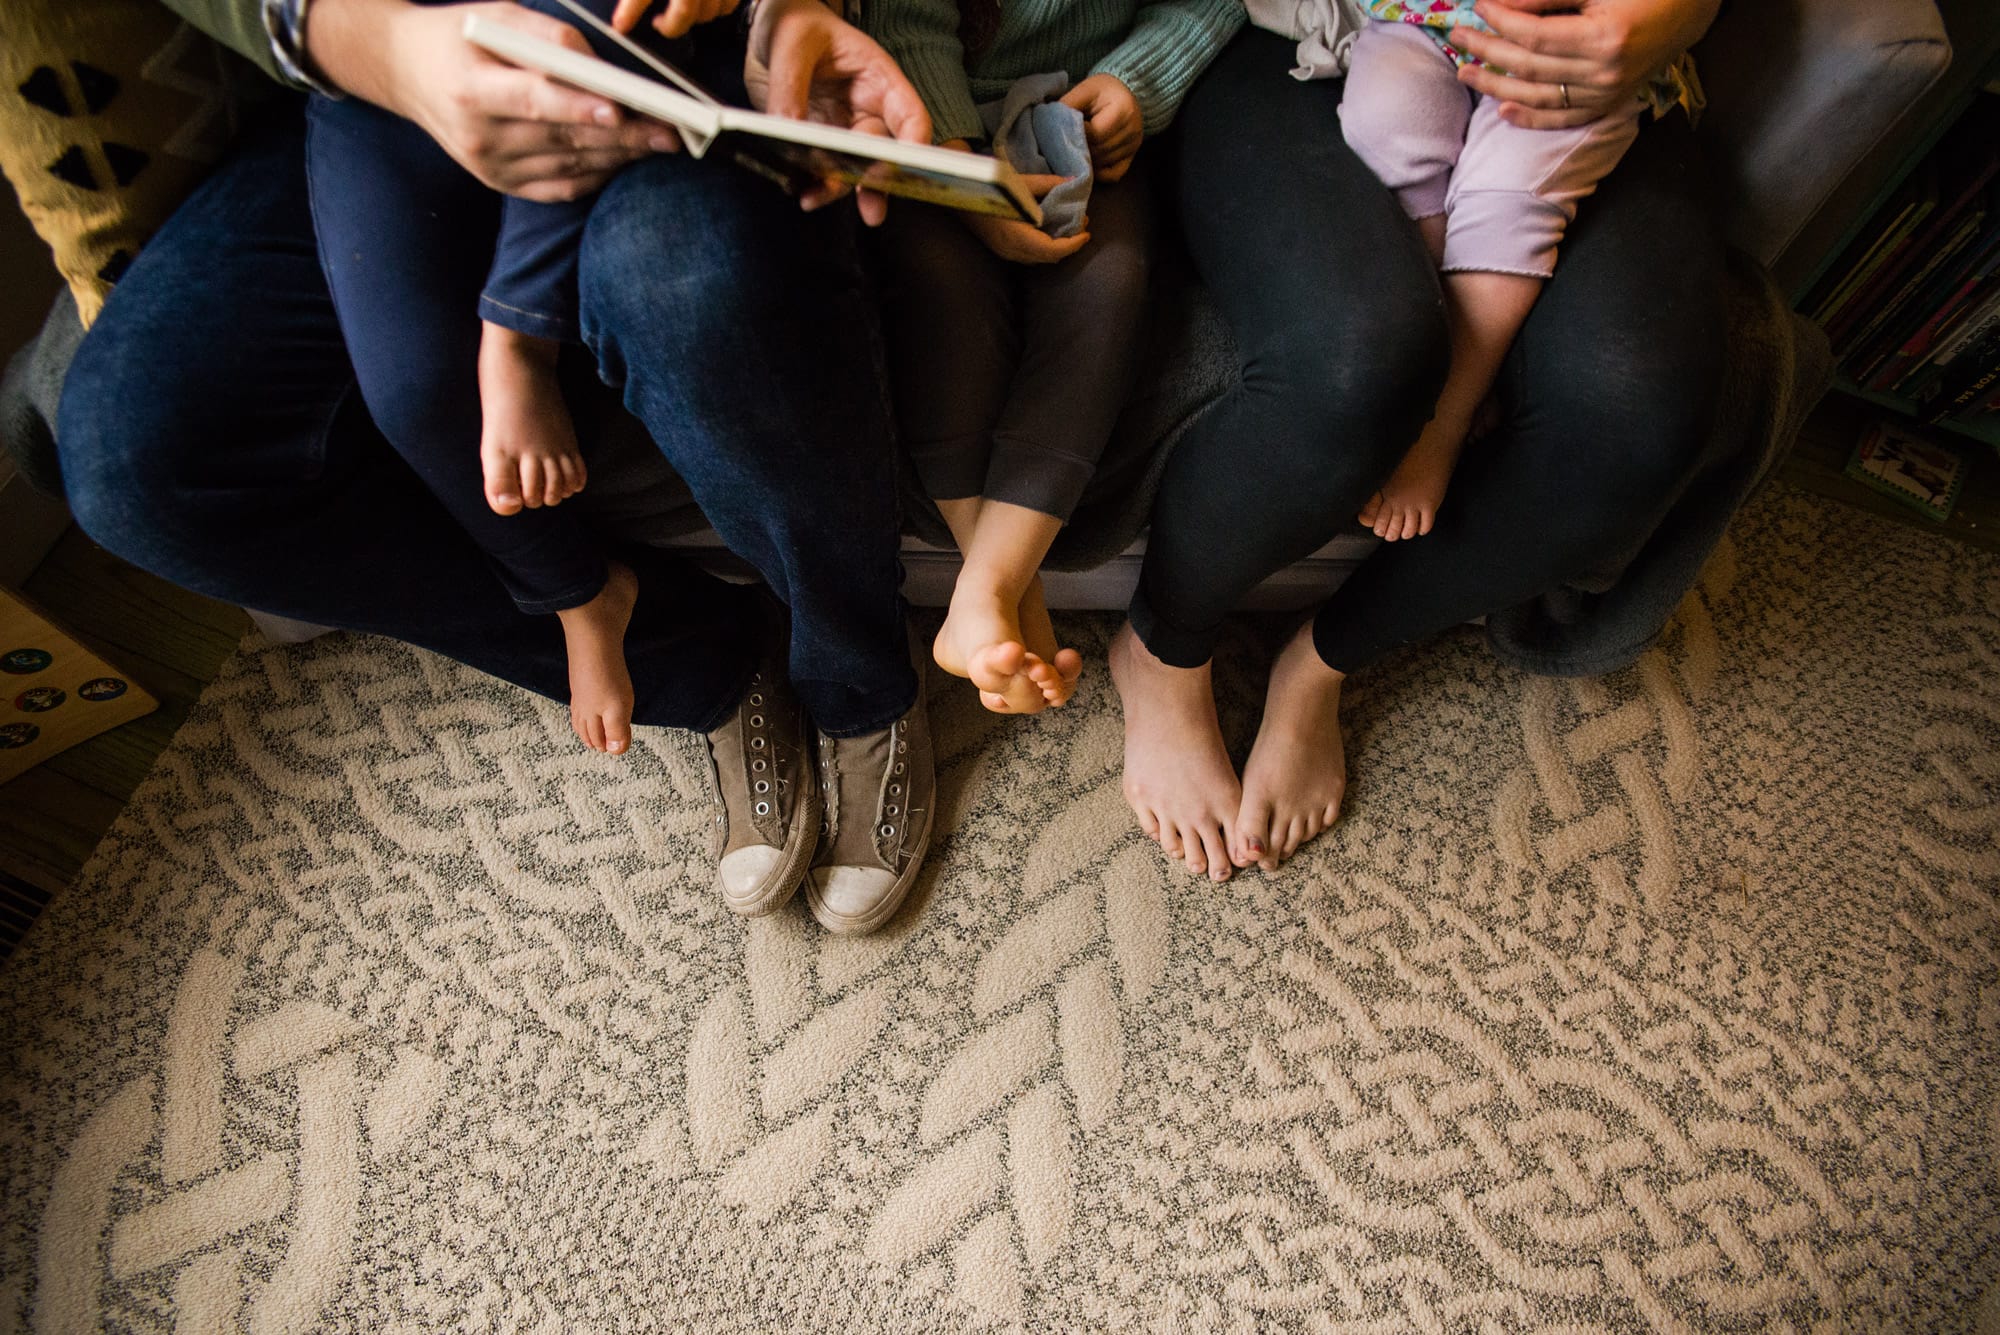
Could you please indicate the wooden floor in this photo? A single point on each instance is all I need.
(169, 640)
(174, 642)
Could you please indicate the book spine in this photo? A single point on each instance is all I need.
(1900, 362)
(1860, 345)
(1872, 259)
(1969, 385)
(1958, 287)
(1923, 245)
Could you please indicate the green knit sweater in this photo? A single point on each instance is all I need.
(1153, 47)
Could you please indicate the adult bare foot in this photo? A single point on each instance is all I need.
(600, 685)
(1178, 778)
(982, 640)
(1297, 772)
(1039, 633)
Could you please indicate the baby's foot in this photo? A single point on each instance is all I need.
(1039, 634)
(981, 639)
(1178, 778)
(527, 442)
(1408, 501)
(600, 685)
(1297, 772)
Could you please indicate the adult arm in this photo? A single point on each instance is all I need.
(517, 131)
(237, 24)
(1566, 68)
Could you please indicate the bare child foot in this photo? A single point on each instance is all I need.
(600, 685)
(1178, 778)
(982, 640)
(527, 442)
(1297, 772)
(1408, 503)
(1039, 634)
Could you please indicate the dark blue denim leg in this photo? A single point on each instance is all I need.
(211, 433)
(532, 284)
(745, 337)
(406, 237)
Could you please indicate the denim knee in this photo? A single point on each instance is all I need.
(681, 250)
(125, 440)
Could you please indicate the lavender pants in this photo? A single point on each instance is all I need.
(1507, 193)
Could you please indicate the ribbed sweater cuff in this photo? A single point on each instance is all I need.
(1160, 61)
(940, 80)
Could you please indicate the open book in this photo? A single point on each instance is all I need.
(794, 153)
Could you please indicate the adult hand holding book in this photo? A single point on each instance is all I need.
(517, 130)
(855, 121)
(806, 63)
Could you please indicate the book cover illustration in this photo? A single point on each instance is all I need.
(1924, 476)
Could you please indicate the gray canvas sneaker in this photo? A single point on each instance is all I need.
(877, 793)
(768, 818)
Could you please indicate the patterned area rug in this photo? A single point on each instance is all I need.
(1669, 1001)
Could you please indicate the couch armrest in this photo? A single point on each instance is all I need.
(1799, 91)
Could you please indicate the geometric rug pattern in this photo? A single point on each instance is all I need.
(1667, 1001)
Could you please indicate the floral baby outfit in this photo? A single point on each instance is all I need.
(1440, 16)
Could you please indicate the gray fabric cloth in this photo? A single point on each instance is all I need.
(30, 391)
(1036, 134)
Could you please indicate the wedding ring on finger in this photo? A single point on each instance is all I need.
(1565, 92)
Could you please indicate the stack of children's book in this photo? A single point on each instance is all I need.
(1913, 306)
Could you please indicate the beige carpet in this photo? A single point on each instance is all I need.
(1669, 1001)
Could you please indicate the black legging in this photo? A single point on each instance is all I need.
(1338, 317)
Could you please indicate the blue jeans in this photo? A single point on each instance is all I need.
(211, 432)
(412, 244)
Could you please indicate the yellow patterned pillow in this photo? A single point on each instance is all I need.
(110, 112)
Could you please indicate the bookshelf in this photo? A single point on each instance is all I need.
(1911, 301)
(1910, 295)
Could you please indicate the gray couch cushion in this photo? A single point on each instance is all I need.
(1798, 92)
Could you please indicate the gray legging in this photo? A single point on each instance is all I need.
(1606, 396)
(1009, 377)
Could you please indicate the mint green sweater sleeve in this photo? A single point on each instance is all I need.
(922, 35)
(1171, 42)
(237, 24)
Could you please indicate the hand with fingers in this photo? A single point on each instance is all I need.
(808, 63)
(676, 19)
(1112, 124)
(518, 131)
(1020, 242)
(1570, 62)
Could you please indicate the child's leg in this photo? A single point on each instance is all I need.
(401, 233)
(952, 339)
(953, 342)
(1082, 323)
(527, 445)
(1484, 311)
(1404, 113)
(528, 451)
(1513, 194)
